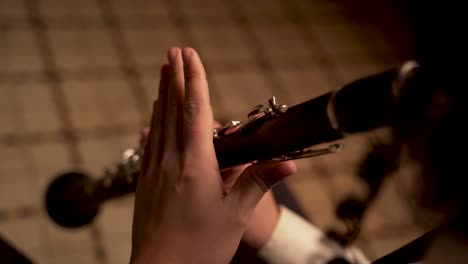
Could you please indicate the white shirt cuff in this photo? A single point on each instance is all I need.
(297, 241)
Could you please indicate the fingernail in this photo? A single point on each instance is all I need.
(172, 54)
(186, 55)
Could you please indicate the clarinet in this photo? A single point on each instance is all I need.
(271, 132)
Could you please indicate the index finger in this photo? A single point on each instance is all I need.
(198, 116)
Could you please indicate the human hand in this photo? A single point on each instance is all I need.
(266, 214)
(184, 212)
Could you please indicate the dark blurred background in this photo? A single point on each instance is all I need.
(77, 79)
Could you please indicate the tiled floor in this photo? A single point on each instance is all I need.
(77, 79)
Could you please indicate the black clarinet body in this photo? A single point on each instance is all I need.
(271, 132)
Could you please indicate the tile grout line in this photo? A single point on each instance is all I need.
(261, 60)
(55, 83)
(310, 39)
(53, 78)
(38, 138)
(127, 63)
(127, 66)
(25, 212)
(92, 73)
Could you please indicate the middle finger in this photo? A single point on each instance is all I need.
(176, 93)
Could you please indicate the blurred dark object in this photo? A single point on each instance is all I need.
(10, 255)
(68, 202)
(431, 32)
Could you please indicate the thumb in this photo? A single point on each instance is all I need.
(255, 181)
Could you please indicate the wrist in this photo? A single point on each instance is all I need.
(158, 256)
(180, 249)
(159, 250)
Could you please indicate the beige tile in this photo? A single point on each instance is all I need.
(295, 62)
(8, 125)
(374, 39)
(10, 116)
(138, 22)
(115, 221)
(142, 14)
(313, 197)
(238, 93)
(338, 40)
(100, 153)
(207, 19)
(264, 12)
(282, 42)
(203, 6)
(261, 6)
(19, 193)
(38, 109)
(18, 189)
(26, 236)
(118, 252)
(303, 83)
(57, 8)
(18, 51)
(83, 48)
(318, 10)
(69, 245)
(267, 19)
(27, 107)
(149, 46)
(140, 7)
(12, 9)
(100, 103)
(218, 45)
(201, 12)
